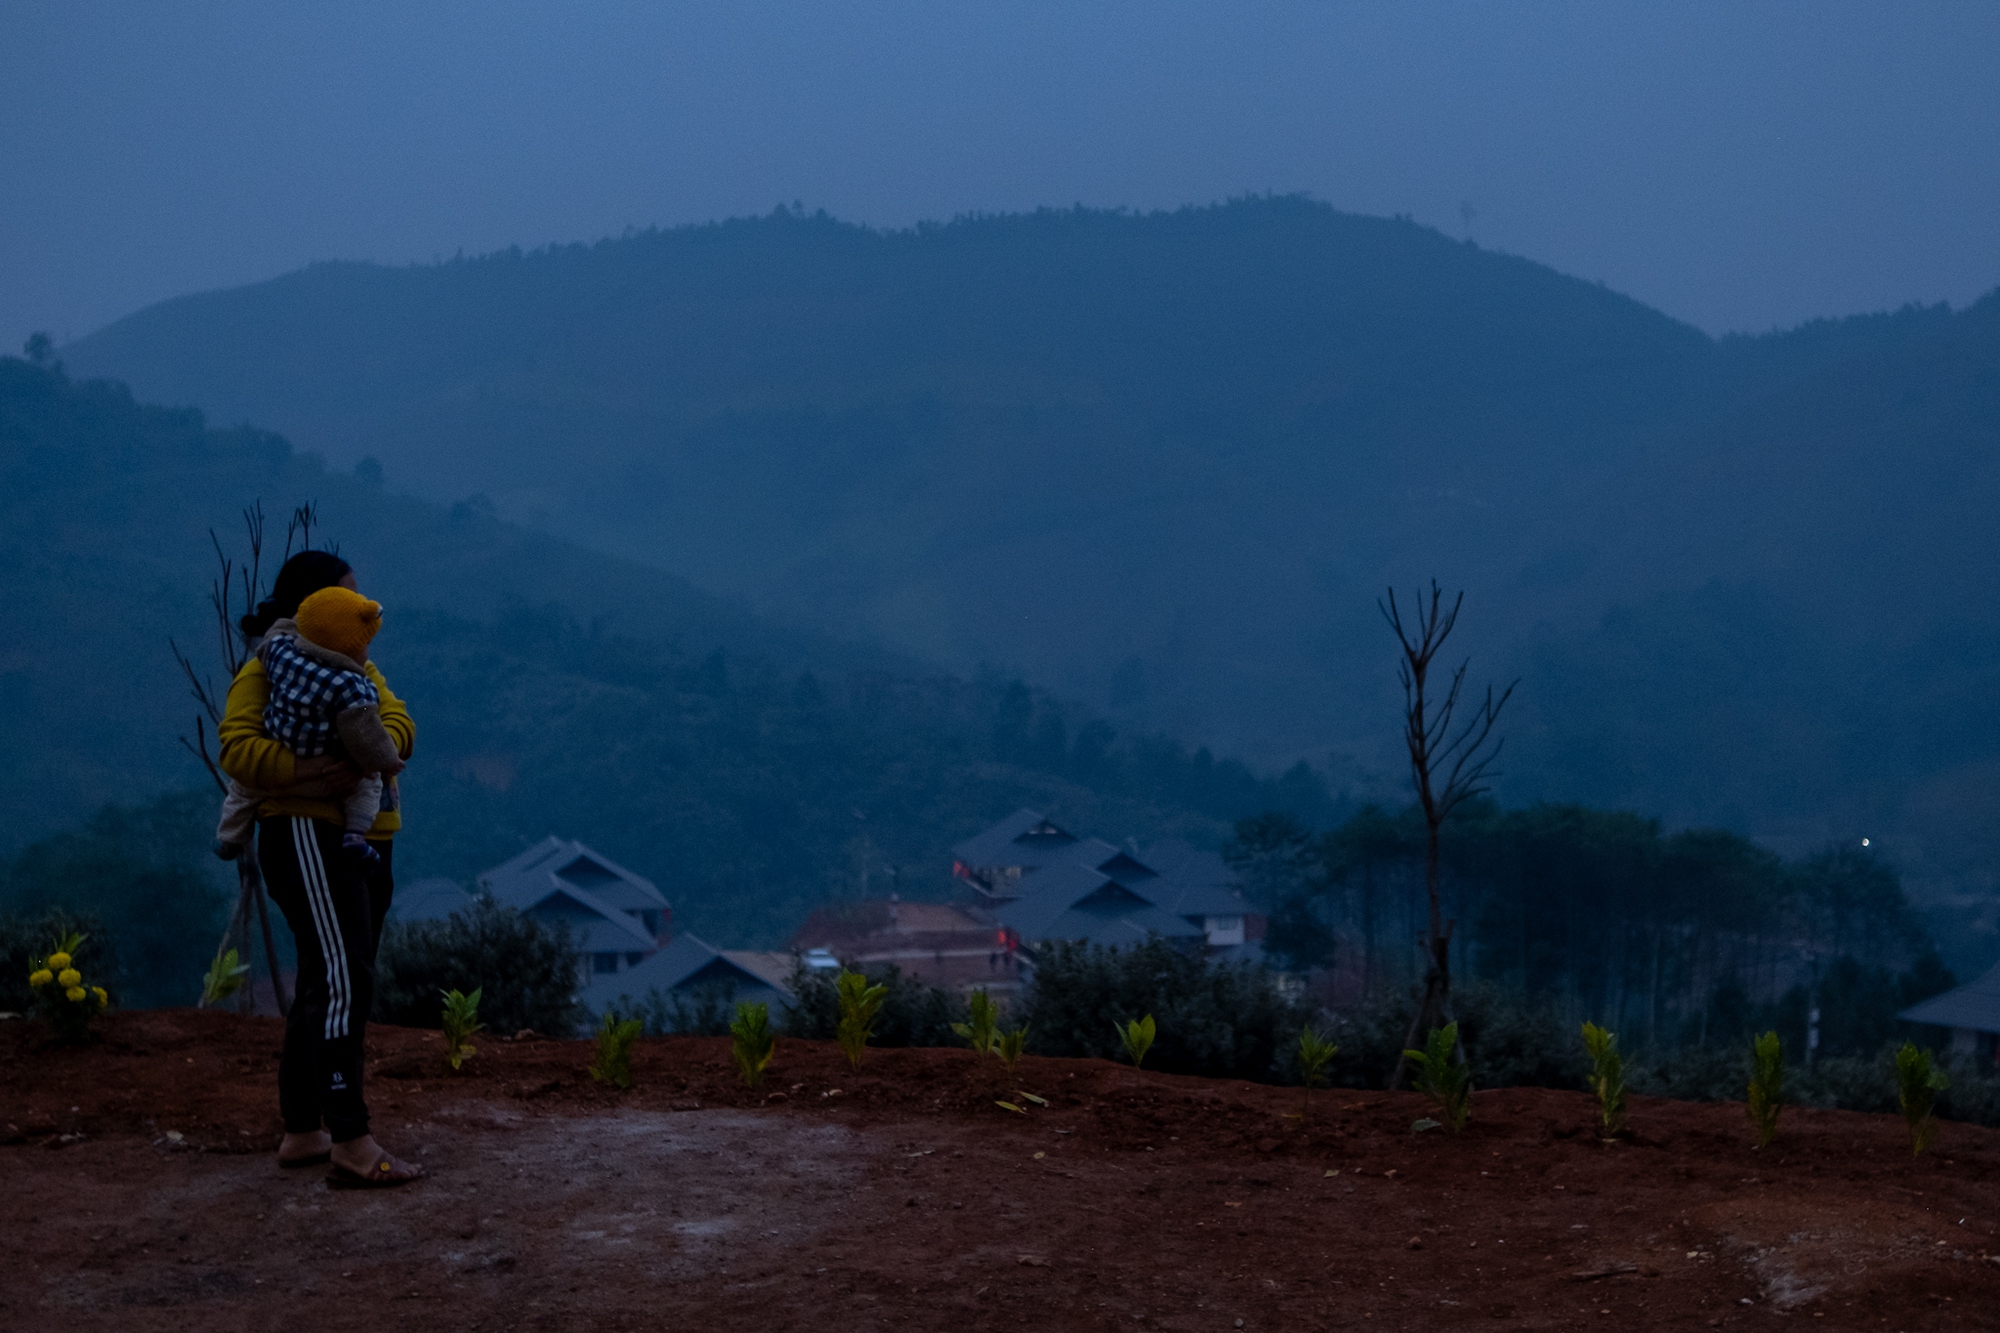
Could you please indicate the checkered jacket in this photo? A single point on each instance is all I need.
(307, 697)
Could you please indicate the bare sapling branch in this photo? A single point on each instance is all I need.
(1451, 762)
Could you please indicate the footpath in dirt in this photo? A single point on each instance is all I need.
(138, 1191)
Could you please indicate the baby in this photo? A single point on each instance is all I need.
(322, 702)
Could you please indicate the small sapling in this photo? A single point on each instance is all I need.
(1315, 1054)
(982, 1032)
(1447, 1084)
(1138, 1038)
(859, 1003)
(225, 976)
(459, 1021)
(1767, 1087)
(1918, 1082)
(1607, 1077)
(1009, 1045)
(613, 1061)
(752, 1041)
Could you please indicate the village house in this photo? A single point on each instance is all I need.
(616, 919)
(1042, 882)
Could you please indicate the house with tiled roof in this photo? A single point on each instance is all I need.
(690, 968)
(953, 945)
(1040, 881)
(617, 919)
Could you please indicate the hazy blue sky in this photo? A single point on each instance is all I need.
(1740, 165)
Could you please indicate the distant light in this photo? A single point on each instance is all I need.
(1864, 842)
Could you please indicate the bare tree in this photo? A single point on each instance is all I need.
(245, 579)
(1450, 761)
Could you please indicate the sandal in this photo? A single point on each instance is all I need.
(387, 1173)
(310, 1159)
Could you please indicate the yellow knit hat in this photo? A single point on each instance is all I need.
(339, 620)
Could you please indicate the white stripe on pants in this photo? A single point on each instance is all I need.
(332, 946)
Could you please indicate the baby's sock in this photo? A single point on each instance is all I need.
(356, 846)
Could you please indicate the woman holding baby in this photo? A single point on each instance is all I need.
(312, 740)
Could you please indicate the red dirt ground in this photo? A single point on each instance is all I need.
(140, 1193)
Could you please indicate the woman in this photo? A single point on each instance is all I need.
(334, 904)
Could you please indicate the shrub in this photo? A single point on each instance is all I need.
(1138, 1038)
(1217, 1020)
(1446, 1081)
(913, 1013)
(859, 1003)
(1918, 1082)
(24, 940)
(1767, 1087)
(613, 1061)
(144, 877)
(63, 995)
(752, 1041)
(460, 1019)
(702, 1010)
(1511, 1041)
(526, 969)
(1607, 1076)
(982, 1029)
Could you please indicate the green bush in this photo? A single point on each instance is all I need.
(752, 1041)
(1438, 1077)
(612, 1062)
(1918, 1082)
(981, 1029)
(144, 874)
(913, 1013)
(527, 970)
(26, 938)
(1766, 1087)
(1218, 1020)
(860, 1003)
(1607, 1076)
(701, 1010)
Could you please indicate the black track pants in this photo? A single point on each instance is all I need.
(335, 910)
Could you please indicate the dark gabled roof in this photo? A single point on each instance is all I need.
(1193, 883)
(1974, 1005)
(556, 862)
(688, 961)
(595, 925)
(1024, 838)
(1078, 902)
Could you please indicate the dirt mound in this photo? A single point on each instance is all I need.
(141, 1194)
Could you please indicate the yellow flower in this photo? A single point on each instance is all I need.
(41, 978)
(75, 994)
(69, 977)
(58, 961)
(103, 1000)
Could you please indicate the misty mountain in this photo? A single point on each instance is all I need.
(754, 771)
(1167, 462)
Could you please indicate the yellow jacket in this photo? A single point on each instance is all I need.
(251, 757)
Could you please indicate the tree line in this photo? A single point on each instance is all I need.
(1687, 938)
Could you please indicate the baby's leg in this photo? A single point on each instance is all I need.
(239, 817)
(360, 808)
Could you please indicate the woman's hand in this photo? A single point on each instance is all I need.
(339, 775)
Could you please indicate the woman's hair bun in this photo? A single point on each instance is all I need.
(302, 576)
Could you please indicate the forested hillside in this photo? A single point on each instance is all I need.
(752, 771)
(1165, 463)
